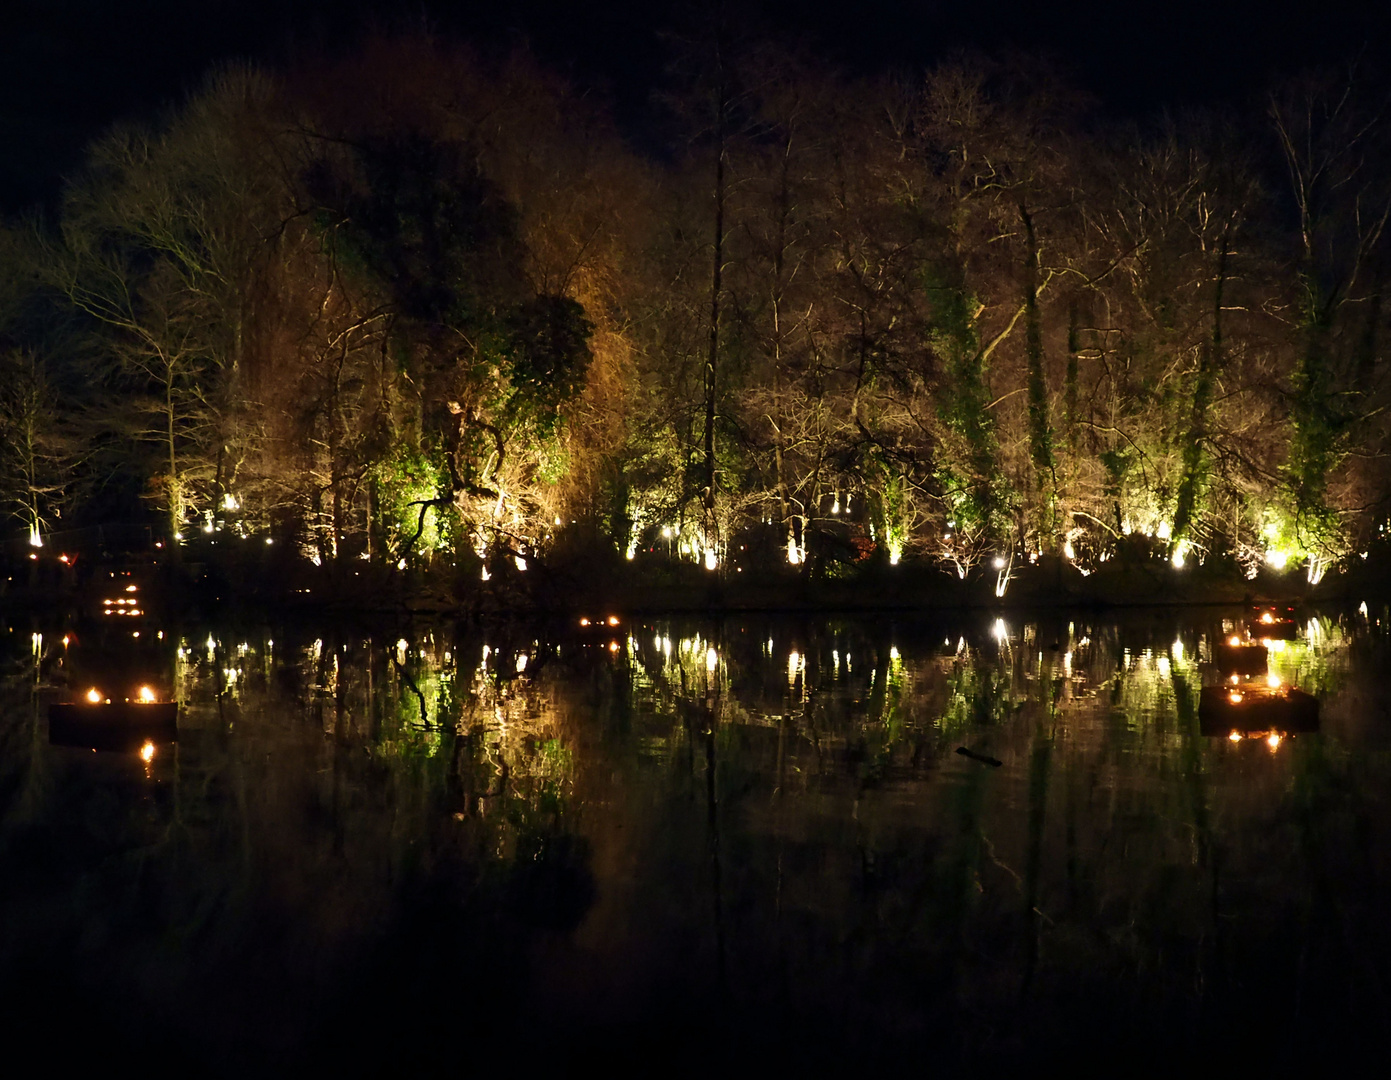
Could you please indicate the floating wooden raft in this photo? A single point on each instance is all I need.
(124, 726)
(1248, 708)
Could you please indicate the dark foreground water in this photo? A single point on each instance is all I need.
(679, 846)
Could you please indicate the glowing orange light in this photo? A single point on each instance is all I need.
(62, 558)
(146, 695)
(1267, 618)
(1234, 697)
(147, 752)
(1273, 681)
(94, 696)
(1236, 679)
(1235, 640)
(1273, 740)
(613, 646)
(1235, 736)
(613, 620)
(584, 622)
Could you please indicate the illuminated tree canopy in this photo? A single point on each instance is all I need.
(416, 308)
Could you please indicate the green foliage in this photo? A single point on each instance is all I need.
(411, 481)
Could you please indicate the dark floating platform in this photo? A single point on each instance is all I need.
(123, 726)
(1250, 708)
(1243, 659)
(1274, 624)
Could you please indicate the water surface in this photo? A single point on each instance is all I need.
(676, 844)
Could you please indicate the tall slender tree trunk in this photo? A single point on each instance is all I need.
(1209, 362)
(1040, 424)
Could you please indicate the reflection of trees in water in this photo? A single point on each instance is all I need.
(766, 815)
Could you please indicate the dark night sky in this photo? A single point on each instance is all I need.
(70, 67)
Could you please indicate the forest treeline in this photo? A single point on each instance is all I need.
(408, 304)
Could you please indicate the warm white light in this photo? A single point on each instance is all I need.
(584, 622)
(1235, 736)
(1234, 697)
(94, 696)
(999, 562)
(521, 663)
(712, 659)
(1273, 740)
(35, 540)
(1276, 560)
(145, 695)
(147, 752)
(1235, 641)
(1273, 681)
(710, 558)
(1164, 531)
(999, 630)
(613, 620)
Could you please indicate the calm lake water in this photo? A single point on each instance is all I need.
(676, 844)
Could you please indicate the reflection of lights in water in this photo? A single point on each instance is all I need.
(712, 659)
(1178, 651)
(1180, 550)
(147, 752)
(1235, 736)
(999, 630)
(94, 696)
(1234, 697)
(521, 663)
(893, 652)
(1276, 645)
(1362, 609)
(1273, 740)
(1163, 665)
(794, 665)
(1067, 663)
